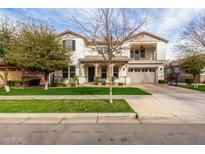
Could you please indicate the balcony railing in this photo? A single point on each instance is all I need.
(147, 57)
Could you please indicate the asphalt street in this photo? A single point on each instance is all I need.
(109, 134)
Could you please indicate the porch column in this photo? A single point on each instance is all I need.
(126, 66)
(82, 71)
(112, 66)
(96, 68)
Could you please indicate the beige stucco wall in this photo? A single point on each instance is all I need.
(12, 75)
(202, 78)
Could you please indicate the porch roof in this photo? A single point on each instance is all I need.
(99, 58)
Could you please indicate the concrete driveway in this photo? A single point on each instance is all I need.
(165, 89)
(169, 104)
(170, 108)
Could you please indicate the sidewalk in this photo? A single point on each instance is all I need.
(70, 97)
(67, 118)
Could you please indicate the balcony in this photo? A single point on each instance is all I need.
(141, 53)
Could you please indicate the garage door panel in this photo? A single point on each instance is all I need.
(142, 75)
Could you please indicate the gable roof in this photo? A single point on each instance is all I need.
(150, 34)
(102, 42)
(72, 33)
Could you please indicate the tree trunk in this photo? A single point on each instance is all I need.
(110, 83)
(46, 82)
(194, 80)
(6, 86)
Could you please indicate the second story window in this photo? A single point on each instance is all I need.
(70, 44)
(142, 53)
(137, 53)
(102, 49)
(134, 54)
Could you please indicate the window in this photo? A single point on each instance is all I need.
(134, 54)
(72, 71)
(142, 53)
(102, 49)
(65, 73)
(70, 44)
(103, 72)
(116, 71)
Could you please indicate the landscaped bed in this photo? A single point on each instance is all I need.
(64, 106)
(200, 88)
(76, 91)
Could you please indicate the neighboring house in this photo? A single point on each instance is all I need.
(173, 67)
(141, 60)
(16, 73)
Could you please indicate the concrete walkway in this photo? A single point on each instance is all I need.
(49, 97)
(68, 118)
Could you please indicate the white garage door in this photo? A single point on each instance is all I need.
(142, 75)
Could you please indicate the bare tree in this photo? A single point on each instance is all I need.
(111, 27)
(193, 38)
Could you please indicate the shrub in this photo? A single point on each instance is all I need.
(189, 81)
(53, 84)
(31, 81)
(113, 80)
(162, 81)
(120, 84)
(73, 81)
(97, 80)
(15, 83)
(27, 81)
(103, 82)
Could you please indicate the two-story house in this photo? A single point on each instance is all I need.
(141, 60)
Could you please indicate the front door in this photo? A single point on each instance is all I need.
(91, 74)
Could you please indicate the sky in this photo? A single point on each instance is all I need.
(166, 23)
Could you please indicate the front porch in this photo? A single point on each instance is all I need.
(95, 66)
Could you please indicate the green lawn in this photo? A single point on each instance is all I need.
(63, 106)
(75, 91)
(200, 88)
